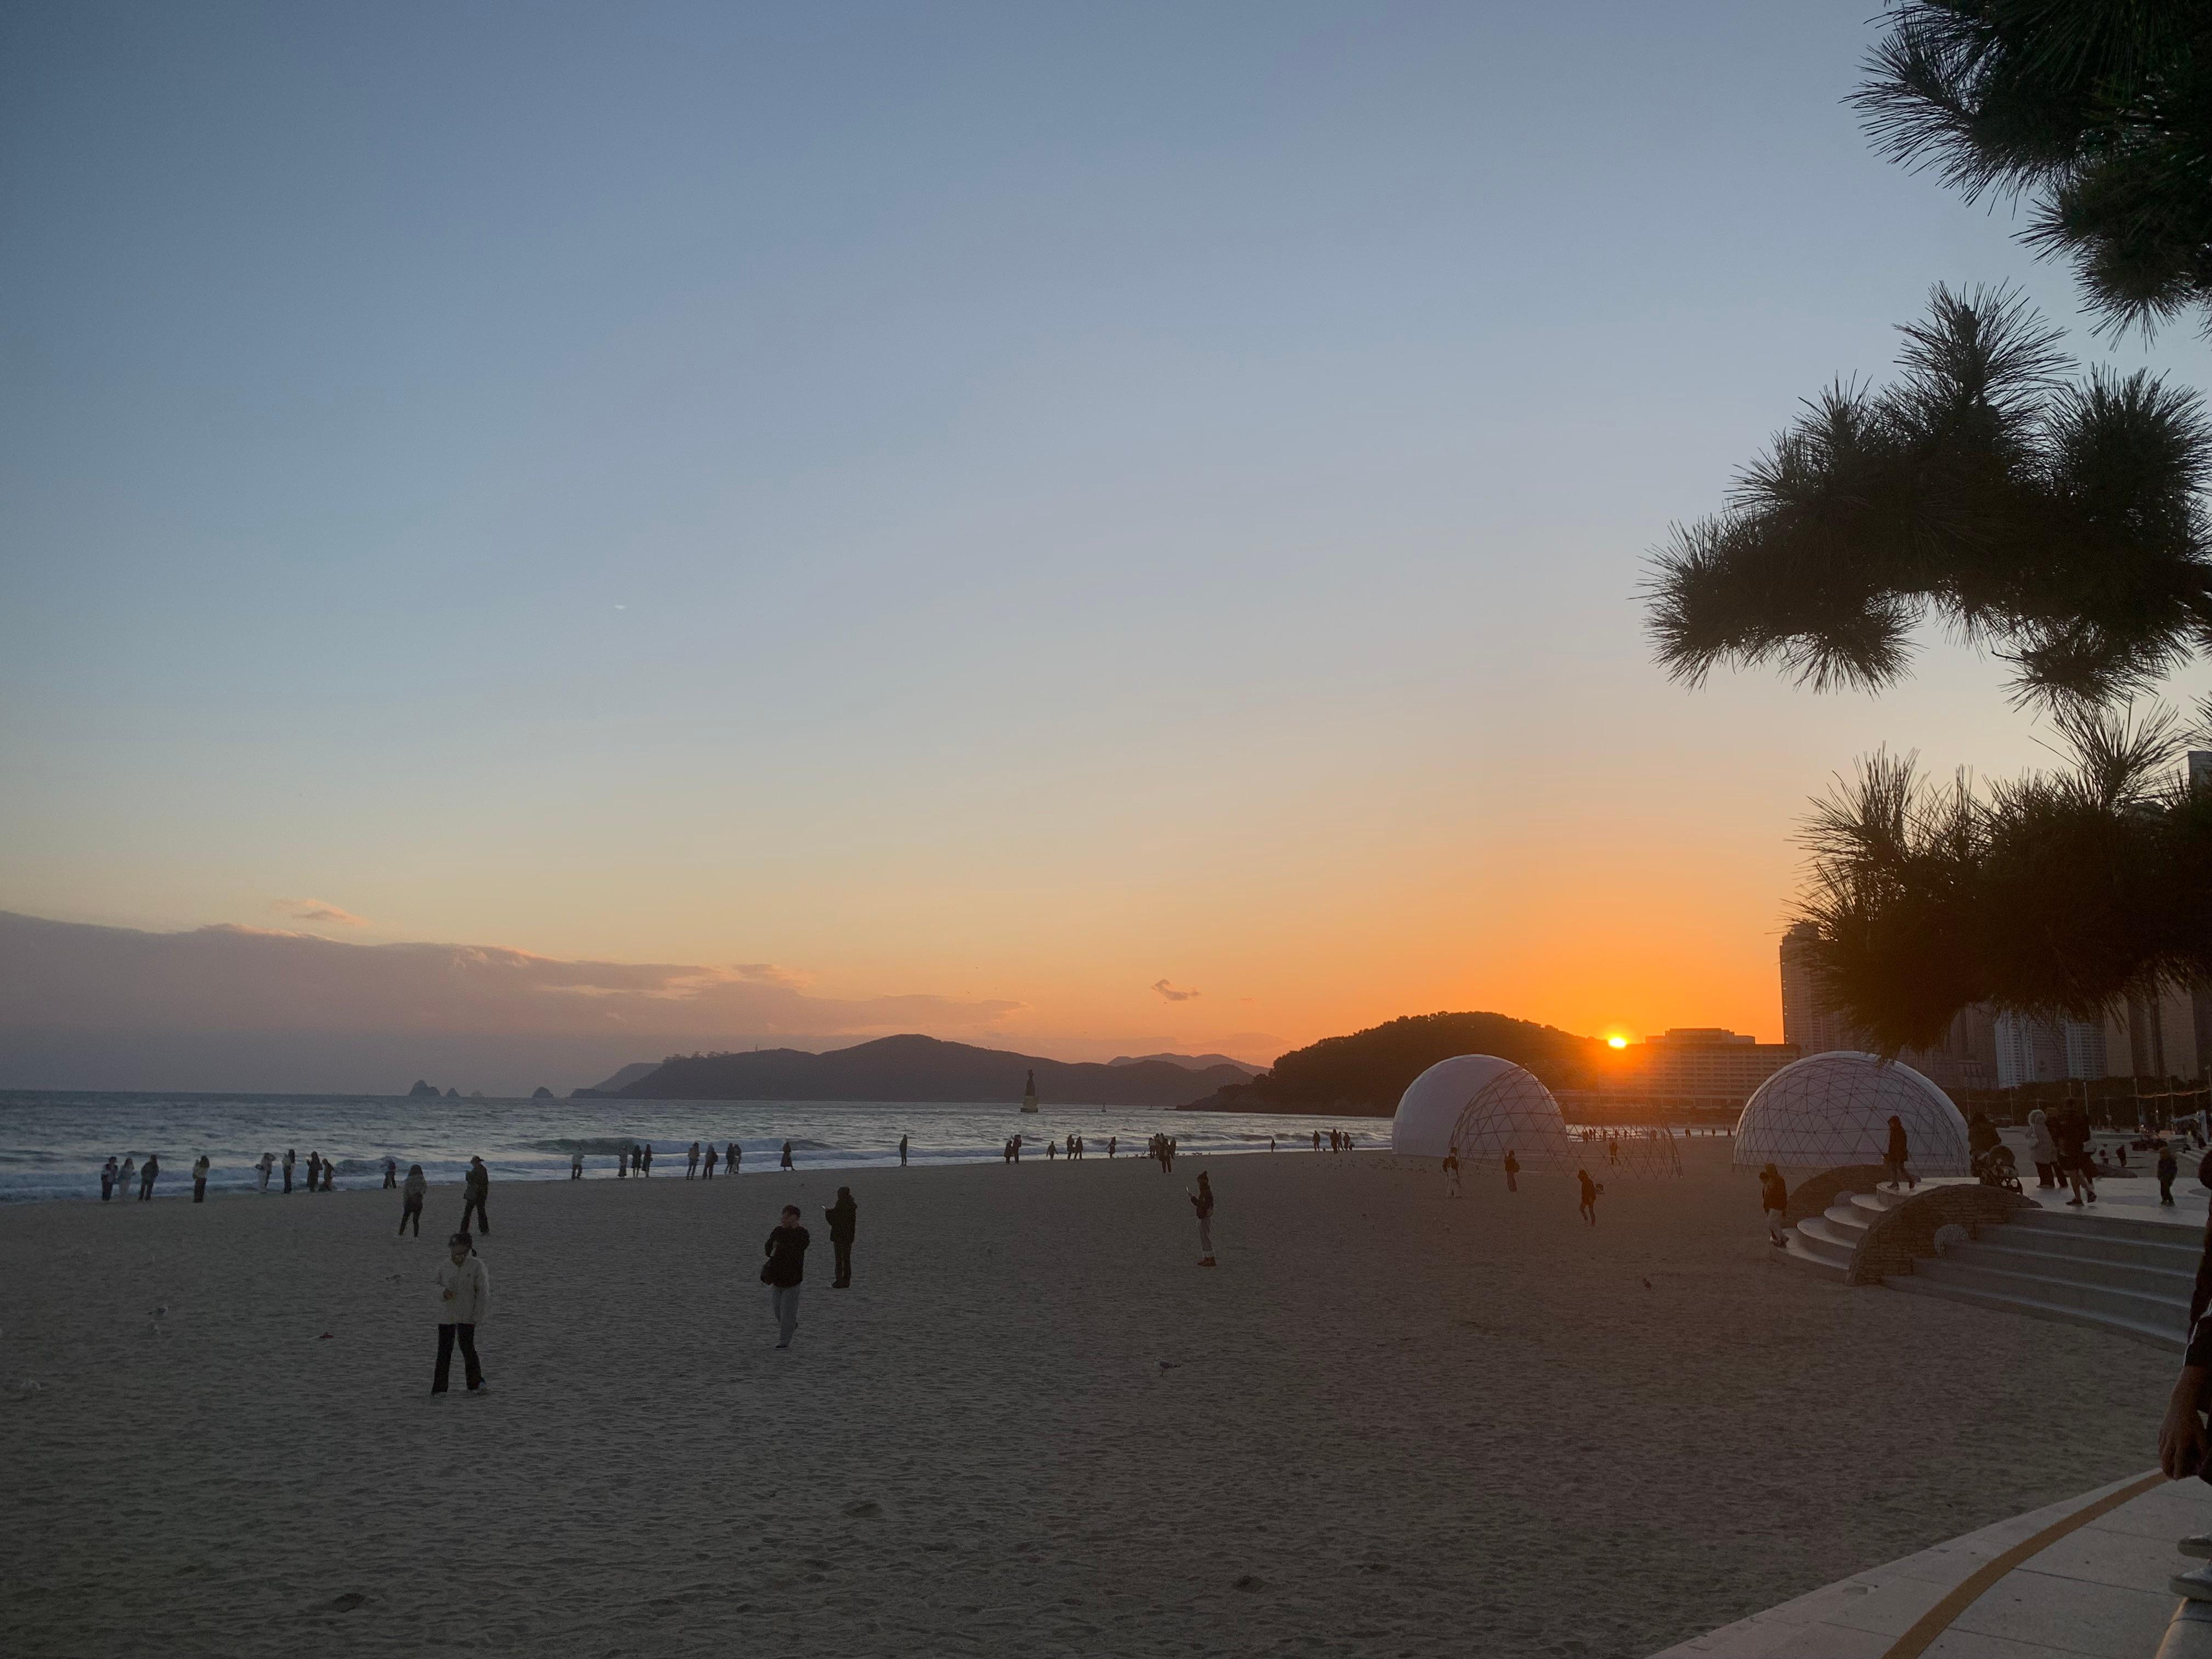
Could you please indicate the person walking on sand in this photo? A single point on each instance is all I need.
(199, 1179)
(410, 1199)
(901, 1151)
(476, 1187)
(2168, 1166)
(1202, 1200)
(783, 1270)
(842, 1217)
(148, 1173)
(1894, 1154)
(691, 1164)
(108, 1174)
(1774, 1201)
(464, 1303)
(2071, 1133)
(1590, 1196)
(289, 1154)
(787, 1163)
(1451, 1172)
(708, 1174)
(576, 1163)
(1512, 1172)
(390, 1172)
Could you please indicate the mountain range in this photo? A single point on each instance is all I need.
(920, 1068)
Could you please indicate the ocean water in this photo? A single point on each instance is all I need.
(52, 1144)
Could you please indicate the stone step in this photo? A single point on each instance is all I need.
(2155, 1335)
(1848, 1217)
(1829, 1238)
(1988, 1251)
(1815, 1257)
(2089, 1222)
(2086, 1244)
(2153, 1312)
(1879, 1200)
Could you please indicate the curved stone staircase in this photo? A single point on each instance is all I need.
(2132, 1278)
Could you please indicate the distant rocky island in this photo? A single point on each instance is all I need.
(920, 1068)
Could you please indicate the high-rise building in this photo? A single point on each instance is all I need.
(1807, 1018)
(1708, 1061)
(2029, 1051)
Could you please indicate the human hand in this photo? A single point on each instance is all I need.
(2181, 1439)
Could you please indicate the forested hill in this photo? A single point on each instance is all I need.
(922, 1068)
(1363, 1074)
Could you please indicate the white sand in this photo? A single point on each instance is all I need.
(1394, 1424)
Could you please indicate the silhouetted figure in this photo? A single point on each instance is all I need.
(410, 1199)
(476, 1187)
(1316, 1140)
(787, 1163)
(645, 1160)
(199, 1179)
(464, 1303)
(1982, 1135)
(1590, 1196)
(290, 1153)
(708, 1174)
(842, 1216)
(1451, 1172)
(107, 1175)
(2168, 1166)
(1893, 1156)
(901, 1151)
(129, 1174)
(1512, 1173)
(730, 1158)
(785, 1267)
(146, 1175)
(576, 1163)
(691, 1164)
(315, 1170)
(2042, 1150)
(1112, 1141)
(391, 1173)
(1201, 1201)
(268, 1163)
(1774, 1202)
(330, 1172)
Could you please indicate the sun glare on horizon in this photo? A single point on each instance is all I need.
(1616, 1042)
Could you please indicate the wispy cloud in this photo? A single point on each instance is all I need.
(769, 973)
(1169, 994)
(321, 910)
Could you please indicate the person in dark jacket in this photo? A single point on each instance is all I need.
(1774, 1200)
(290, 1154)
(391, 1173)
(901, 1151)
(787, 1163)
(314, 1172)
(2071, 1133)
(1202, 1200)
(2168, 1166)
(1590, 1196)
(1895, 1156)
(1982, 1135)
(108, 1177)
(785, 1267)
(199, 1179)
(476, 1187)
(1512, 1173)
(146, 1173)
(842, 1215)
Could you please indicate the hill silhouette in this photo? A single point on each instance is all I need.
(1363, 1074)
(920, 1068)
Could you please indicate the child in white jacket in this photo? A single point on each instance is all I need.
(463, 1303)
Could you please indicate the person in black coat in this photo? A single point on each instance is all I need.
(842, 1215)
(783, 1270)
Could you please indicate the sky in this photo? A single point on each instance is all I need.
(1096, 530)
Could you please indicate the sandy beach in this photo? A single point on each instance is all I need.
(1388, 1423)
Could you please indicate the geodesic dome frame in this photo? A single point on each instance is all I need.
(1485, 1106)
(1832, 1110)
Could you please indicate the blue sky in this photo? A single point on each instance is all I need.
(1001, 502)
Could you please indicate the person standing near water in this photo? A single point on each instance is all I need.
(842, 1216)
(291, 1153)
(410, 1199)
(1201, 1201)
(731, 1157)
(129, 1174)
(901, 1151)
(315, 1170)
(576, 1163)
(464, 1303)
(785, 1267)
(691, 1164)
(476, 1187)
(1590, 1196)
(390, 1172)
(645, 1163)
(107, 1175)
(330, 1172)
(146, 1176)
(709, 1174)
(268, 1163)
(1774, 1201)
(787, 1163)
(199, 1179)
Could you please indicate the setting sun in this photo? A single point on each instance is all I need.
(1616, 1042)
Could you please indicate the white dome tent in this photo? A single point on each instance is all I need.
(1484, 1106)
(1829, 1110)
